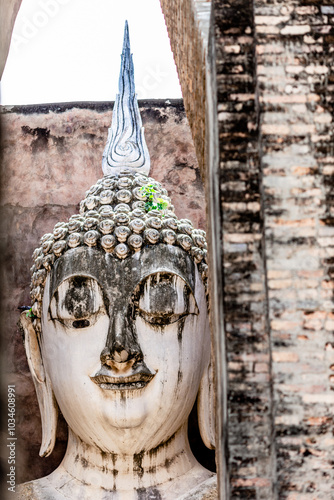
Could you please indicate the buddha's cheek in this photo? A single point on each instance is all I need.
(175, 352)
(70, 359)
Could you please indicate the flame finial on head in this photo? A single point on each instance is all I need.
(126, 146)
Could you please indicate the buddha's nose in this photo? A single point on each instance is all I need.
(119, 354)
(122, 350)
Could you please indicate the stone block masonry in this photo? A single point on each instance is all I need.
(246, 325)
(295, 88)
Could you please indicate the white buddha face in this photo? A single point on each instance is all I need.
(125, 343)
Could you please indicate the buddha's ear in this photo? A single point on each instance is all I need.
(206, 407)
(46, 400)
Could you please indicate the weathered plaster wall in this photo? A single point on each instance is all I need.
(50, 156)
(272, 90)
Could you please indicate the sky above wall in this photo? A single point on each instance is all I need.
(69, 50)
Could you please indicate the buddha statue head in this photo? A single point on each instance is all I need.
(118, 338)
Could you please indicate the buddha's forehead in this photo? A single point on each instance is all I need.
(122, 276)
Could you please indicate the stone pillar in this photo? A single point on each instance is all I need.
(245, 303)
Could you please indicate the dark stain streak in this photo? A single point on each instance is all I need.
(194, 205)
(99, 106)
(59, 141)
(179, 376)
(138, 468)
(148, 494)
(79, 300)
(56, 297)
(88, 137)
(163, 299)
(180, 326)
(169, 462)
(154, 114)
(152, 453)
(42, 136)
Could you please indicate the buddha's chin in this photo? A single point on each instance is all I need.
(122, 437)
(127, 421)
(116, 423)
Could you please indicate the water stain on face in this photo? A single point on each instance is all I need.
(79, 299)
(162, 293)
(164, 298)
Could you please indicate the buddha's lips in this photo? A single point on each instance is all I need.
(135, 381)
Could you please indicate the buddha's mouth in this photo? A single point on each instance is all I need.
(131, 382)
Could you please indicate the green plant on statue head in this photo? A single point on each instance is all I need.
(30, 314)
(152, 202)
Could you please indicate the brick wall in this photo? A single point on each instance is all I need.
(295, 83)
(249, 395)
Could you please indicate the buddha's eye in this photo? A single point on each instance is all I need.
(164, 299)
(77, 302)
(81, 323)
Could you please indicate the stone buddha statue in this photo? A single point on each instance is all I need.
(118, 335)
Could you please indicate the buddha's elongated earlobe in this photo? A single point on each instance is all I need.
(47, 403)
(206, 408)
